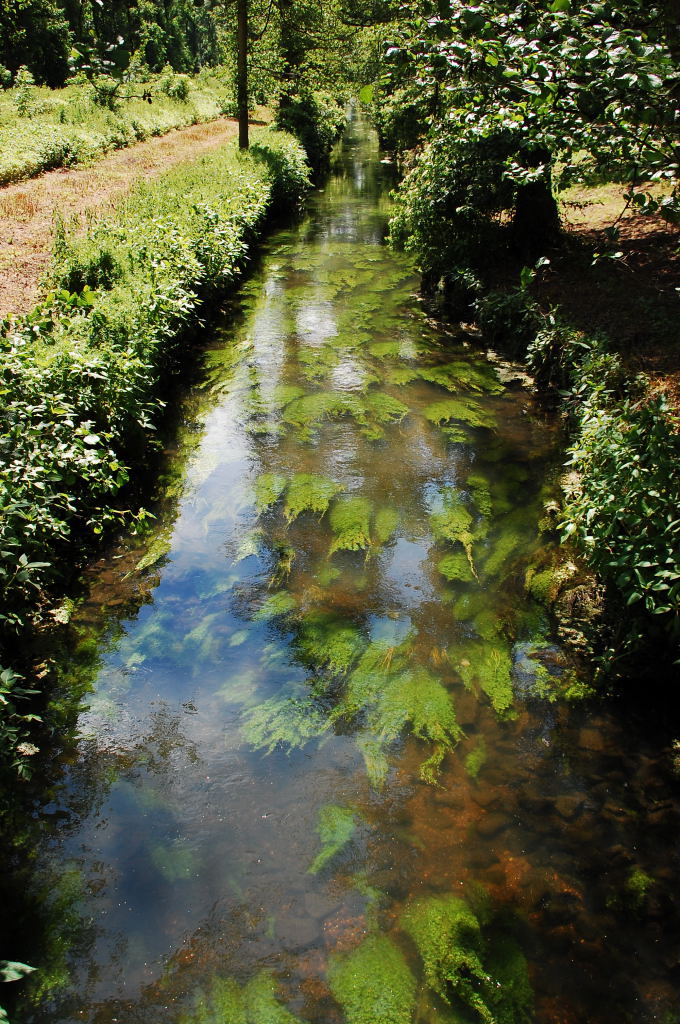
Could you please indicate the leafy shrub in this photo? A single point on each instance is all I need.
(316, 119)
(175, 86)
(22, 94)
(624, 509)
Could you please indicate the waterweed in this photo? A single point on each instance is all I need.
(226, 1002)
(466, 410)
(336, 828)
(290, 720)
(373, 983)
(309, 492)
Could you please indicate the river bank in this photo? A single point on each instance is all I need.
(86, 372)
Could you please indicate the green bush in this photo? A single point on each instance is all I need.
(624, 509)
(316, 119)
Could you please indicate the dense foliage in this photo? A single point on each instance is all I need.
(507, 101)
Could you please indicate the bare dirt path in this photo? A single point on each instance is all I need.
(27, 208)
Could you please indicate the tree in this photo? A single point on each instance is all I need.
(511, 91)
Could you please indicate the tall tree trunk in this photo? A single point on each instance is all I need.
(536, 221)
(242, 73)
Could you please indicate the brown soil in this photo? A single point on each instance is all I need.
(633, 300)
(28, 208)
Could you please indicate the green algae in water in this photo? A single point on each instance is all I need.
(491, 979)
(327, 640)
(372, 749)
(336, 828)
(488, 665)
(308, 492)
(227, 1003)
(280, 603)
(373, 984)
(466, 410)
(452, 523)
(476, 759)
(385, 524)
(481, 492)
(393, 697)
(350, 522)
(174, 861)
(502, 550)
(454, 376)
(456, 566)
(268, 489)
(289, 721)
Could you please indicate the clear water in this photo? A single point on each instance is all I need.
(319, 695)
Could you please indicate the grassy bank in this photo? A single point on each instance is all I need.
(42, 128)
(84, 375)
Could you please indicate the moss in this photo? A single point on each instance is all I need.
(476, 759)
(327, 640)
(373, 983)
(488, 665)
(336, 828)
(467, 410)
(280, 603)
(350, 522)
(308, 492)
(291, 721)
(268, 489)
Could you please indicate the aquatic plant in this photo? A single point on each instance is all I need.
(249, 545)
(462, 967)
(285, 556)
(336, 828)
(328, 640)
(456, 566)
(452, 523)
(373, 751)
(280, 603)
(467, 410)
(637, 887)
(309, 492)
(291, 720)
(373, 984)
(173, 861)
(268, 489)
(226, 1002)
(481, 492)
(385, 523)
(488, 665)
(453, 376)
(350, 522)
(392, 696)
(476, 759)
(502, 550)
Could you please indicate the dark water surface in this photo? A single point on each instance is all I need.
(321, 775)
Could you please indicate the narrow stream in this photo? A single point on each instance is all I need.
(322, 775)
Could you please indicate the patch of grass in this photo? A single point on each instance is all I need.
(66, 126)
